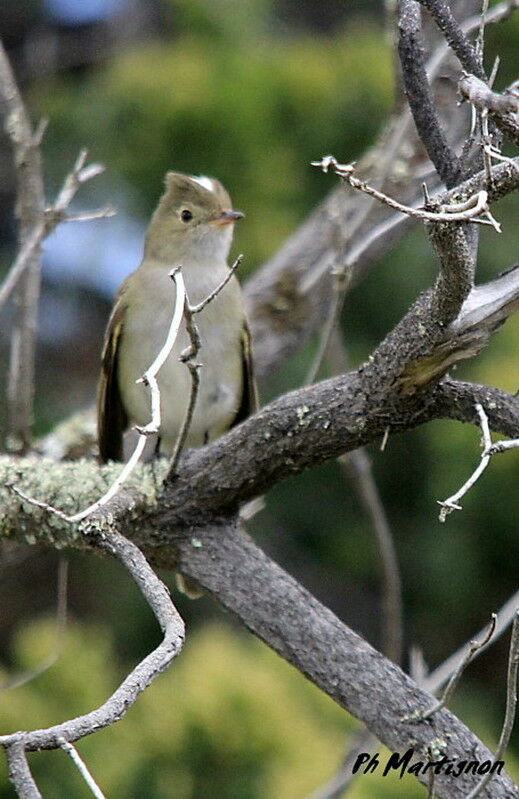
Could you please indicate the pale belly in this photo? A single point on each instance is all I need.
(221, 377)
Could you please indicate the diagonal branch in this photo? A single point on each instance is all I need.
(340, 662)
(453, 32)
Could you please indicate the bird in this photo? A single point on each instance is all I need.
(192, 228)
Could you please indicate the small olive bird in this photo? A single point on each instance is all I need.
(192, 227)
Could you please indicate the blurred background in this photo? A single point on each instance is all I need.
(249, 92)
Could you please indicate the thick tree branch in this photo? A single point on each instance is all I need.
(280, 612)
(394, 390)
(470, 59)
(453, 399)
(411, 52)
(464, 49)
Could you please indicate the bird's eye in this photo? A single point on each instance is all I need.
(186, 215)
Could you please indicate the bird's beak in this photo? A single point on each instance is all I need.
(227, 217)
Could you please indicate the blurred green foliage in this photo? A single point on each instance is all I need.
(229, 719)
(253, 111)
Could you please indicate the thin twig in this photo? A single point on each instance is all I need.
(188, 357)
(480, 41)
(341, 280)
(451, 503)
(357, 465)
(158, 598)
(474, 647)
(445, 670)
(511, 704)
(61, 623)
(430, 787)
(88, 216)
(210, 297)
(82, 768)
(362, 741)
(30, 203)
(51, 218)
(477, 205)
(502, 446)
(20, 263)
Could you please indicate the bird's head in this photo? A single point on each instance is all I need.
(193, 221)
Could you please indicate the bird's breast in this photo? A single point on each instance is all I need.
(220, 326)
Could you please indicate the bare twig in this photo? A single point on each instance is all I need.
(61, 621)
(480, 41)
(19, 265)
(430, 787)
(158, 598)
(30, 215)
(474, 647)
(451, 503)
(511, 703)
(52, 216)
(189, 358)
(502, 446)
(82, 768)
(341, 280)
(475, 206)
(444, 671)
(357, 466)
(87, 216)
(210, 297)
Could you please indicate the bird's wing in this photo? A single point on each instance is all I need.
(249, 399)
(112, 419)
